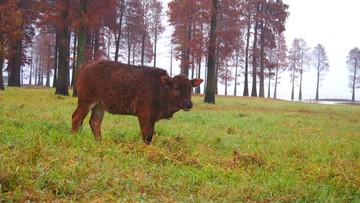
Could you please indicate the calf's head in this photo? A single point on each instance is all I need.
(179, 91)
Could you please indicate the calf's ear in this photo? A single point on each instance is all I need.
(165, 80)
(196, 82)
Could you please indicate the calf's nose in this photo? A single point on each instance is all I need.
(188, 105)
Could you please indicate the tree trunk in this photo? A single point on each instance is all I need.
(317, 84)
(354, 82)
(254, 72)
(74, 62)
(300, 88)
(171, 60)
(210, 86)
(186, 54)
(143, 49)
(56, 59)
(197, 89)
(217, 72)
(246, 74)
(117, 39)
(64, 47)
(276, 81)
(269, 84)
(262, 61)
(14, 64)
(129, 47)
(97, 53)
(226, 81)
(293, 85)
(236, 72)
(1, 73)
(80, 57)
(155, 42)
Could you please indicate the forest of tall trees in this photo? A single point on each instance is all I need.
(223, 41)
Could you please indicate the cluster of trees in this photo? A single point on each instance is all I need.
(57, 36)
(230, 37)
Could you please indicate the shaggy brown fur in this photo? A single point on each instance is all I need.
(148, 93)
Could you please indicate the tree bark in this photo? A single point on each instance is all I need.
(15, 64)
(117, 39)
(210, 86)
(246, 74)
(254, 62)
(1, 73)
(276, 81)
(293, 84)
(317, 84)
(300, 88)
(354, 82)
(80, 57)
(64, 48)
(262, 61)
(56, 62)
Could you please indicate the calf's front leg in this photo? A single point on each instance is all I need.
(147, 128)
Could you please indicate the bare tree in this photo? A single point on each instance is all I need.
(298, 63)
(280, 59)
(321, 64)
(353, 64)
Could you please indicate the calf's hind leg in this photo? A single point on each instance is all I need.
(78, 116)
(97, 115)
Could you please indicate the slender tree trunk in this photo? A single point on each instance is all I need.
(2, 87)
(117, 39)
(293, 85)
(15, 64)
(81, 55)
(74, 62)
(300, 90)
(226, 81)
(143, 49)
(236, 72)
(39, 83)
(317, 84)
(89, 48)
(269, 84)
(155, 42)
(262, 61)
(217, 72)
(354, 82)
(197, 89)
(254, 62)
(31, 66)
(129, 47)
(97, 53)
(276, 82)
(171, 60)
(246, 74)
(56, 59)
(186, 54)
(210, 85)
(64, 44)
(36, 69)
(47, 83)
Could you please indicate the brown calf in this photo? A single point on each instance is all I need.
(148, 93)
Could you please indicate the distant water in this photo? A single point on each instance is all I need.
(332, 101)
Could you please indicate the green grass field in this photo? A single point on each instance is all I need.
(239, 150)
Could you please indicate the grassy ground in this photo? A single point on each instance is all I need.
(242, 149)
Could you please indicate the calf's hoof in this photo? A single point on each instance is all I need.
(147, 139)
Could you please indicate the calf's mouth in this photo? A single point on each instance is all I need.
(187, 105)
